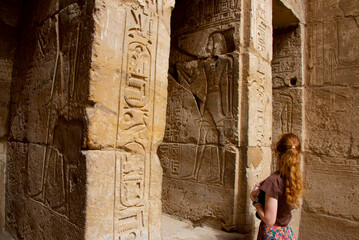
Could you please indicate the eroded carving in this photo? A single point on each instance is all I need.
(206, 13)
(262, 30)
(287, 76)
(129, 223)
(132, 174)
(57, 172)
(135, 123)
(210, 81)
(286, 113)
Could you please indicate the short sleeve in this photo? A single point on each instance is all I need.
(271, 186)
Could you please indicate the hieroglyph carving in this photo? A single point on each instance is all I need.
(262, 26)
(336, 44)
(60, 159)
(202, 14)
(135, 123)
(210, 80)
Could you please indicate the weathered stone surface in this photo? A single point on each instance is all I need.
(128, 83)
(319, 226)
(339, 170)
(261, 28)
(297, 7)
(88, 114)
(287, 82)
(3, 157)
(259, 102)
(46, 172)
(198, 154)
(100, 194)
(331, 121)
(9, 20)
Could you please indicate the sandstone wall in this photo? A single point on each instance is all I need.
(217, 143)
(128, 92)
(202, 113)
(46, 173)
(331, 159)
(9, 20)
(88, 113)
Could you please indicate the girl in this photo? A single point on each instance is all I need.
(276, 196)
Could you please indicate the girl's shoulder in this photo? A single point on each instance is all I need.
(276, 176)
(273, 185)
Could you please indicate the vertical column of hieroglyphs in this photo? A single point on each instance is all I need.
(145, 61)
(46, 174)
(199, 150)
(332, 115)
(128, 86)
(259, 96)
(134, 131)
(287, 81)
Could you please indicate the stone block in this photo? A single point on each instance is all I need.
(261, 20)
(259, 102)
(203, 205)
(334, 175)
(101, 135)
(325, 119)
(39, 222)
(106, 73)
(35, 165)
(100, 196)
(318, 226)
(287, 112)
(16, 169)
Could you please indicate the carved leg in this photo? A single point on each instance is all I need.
(219, 178)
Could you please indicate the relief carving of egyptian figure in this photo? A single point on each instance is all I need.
(210, 81)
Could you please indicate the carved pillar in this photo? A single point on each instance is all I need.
(128, 88)
(259, 97)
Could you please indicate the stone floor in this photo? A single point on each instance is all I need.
(174, 229)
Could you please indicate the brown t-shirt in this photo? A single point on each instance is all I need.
(274, 187)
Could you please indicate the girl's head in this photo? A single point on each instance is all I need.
(287, 151)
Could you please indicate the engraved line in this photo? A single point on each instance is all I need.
(79, 28)
(121, 79)
(51, 96)
(153, 119)
(54, 212)
(118, 119)
(57, 55)
(39, 41)
(114, 194)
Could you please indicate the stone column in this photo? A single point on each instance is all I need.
(258, 116)
(128, 94)
(87, 115)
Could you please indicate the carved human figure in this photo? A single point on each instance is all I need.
(211, 84)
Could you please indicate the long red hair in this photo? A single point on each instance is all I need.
(288, 149)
